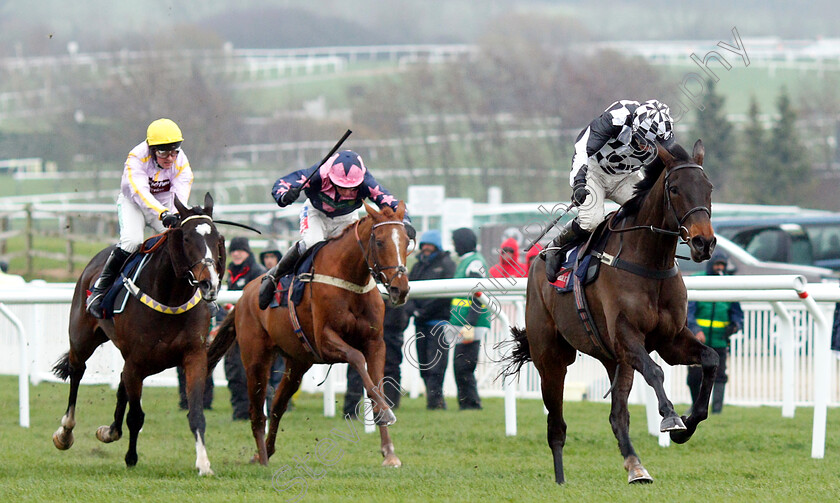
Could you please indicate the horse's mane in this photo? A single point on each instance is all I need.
(384, 210)
(652, 172)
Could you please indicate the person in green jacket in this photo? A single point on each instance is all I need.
(713, 323)
(469, 318)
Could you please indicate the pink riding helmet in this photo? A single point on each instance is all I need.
(345, 169)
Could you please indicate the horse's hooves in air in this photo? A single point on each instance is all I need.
(392, 461)
(638, 475)
(62, 440)
(672, 423)
(682, 436)
(385, 418)
(103, 433)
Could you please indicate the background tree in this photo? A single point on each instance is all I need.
(789, 159)
(752, 174)
(712, 126)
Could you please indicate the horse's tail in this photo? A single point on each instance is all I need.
(519, 356)
(62, 367)
(225, 336)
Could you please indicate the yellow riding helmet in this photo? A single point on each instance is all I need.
(163, 132)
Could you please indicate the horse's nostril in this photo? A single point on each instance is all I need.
(698, 243)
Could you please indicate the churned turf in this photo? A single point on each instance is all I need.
(745, 454)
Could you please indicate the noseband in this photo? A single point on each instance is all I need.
(668, 206)
(376, 270)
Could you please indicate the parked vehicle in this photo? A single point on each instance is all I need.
(809, 240)
(743, 263)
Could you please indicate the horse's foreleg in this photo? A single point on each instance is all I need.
(631, 345)
(375, 358)
(620, 423)
(687, 350)
(195, 369)
(135, 418)
(287, 387)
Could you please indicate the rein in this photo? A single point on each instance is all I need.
(377, 271)
(680, 221)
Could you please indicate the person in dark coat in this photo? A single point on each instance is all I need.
(431, 317)
(242, 269)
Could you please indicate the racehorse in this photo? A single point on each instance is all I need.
(164, 324)
(340, 318)
(638, 303)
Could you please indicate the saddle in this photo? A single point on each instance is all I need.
(116, 298)
(303, 267)
(581, 262)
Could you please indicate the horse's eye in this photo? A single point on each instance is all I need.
(379, 244)
(674, 191)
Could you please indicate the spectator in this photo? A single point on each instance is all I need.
(270, 256)
(713, 323)
(396, 321)
(531, 255)
(431, 317)
(469, 319)
(509, 265)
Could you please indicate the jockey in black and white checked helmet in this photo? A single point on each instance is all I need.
(652, 121)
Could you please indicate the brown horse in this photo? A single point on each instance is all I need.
(637, 311)
(341, 319)
(184, 270)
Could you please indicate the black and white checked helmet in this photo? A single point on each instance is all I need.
(653, 121)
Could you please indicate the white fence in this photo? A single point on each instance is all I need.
(775, 360)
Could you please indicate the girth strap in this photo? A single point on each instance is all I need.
(636, 269)
(338, 282)
(296, 324)
(586, 317)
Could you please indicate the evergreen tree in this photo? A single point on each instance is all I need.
(788, 156)
(715, 130)
(752, 159)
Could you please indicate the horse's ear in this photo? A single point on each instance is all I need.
(699, 152)
(208, 204)
(182, 210)
(369, 209)
(401, 210)
(663, 154)
(177, 254)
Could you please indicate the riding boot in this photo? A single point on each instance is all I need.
(570, 235)
(717, 397)
(106, 278)
(284, 267)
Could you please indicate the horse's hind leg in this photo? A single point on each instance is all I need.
(257, 364)
(687, 350)
(630, 340)
(195, 368)
(285, 389)
(72, 365)
(620, 423)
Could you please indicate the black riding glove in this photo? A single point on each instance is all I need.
(579, 193)
(290, 196)
(170, 220)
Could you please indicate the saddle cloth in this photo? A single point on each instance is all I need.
(116, 298)
(303, 266)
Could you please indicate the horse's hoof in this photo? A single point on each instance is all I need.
(63, 439)
(638, 475)
(392, 461)
(208, 472)
(103, 433)
(672, 423)
(385, 418)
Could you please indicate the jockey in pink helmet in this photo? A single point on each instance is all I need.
(335, 191)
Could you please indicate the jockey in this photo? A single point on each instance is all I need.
(156, 171)
(609, 155)
(335, 192)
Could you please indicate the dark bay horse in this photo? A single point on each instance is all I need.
(341, 318)
(635, 312)
(184, 270)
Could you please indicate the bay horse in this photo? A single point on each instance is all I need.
(150, 333)
(341, 317)
(636, 311)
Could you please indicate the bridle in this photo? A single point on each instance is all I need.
(206, 262)
(376, 270)
(682, 231)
